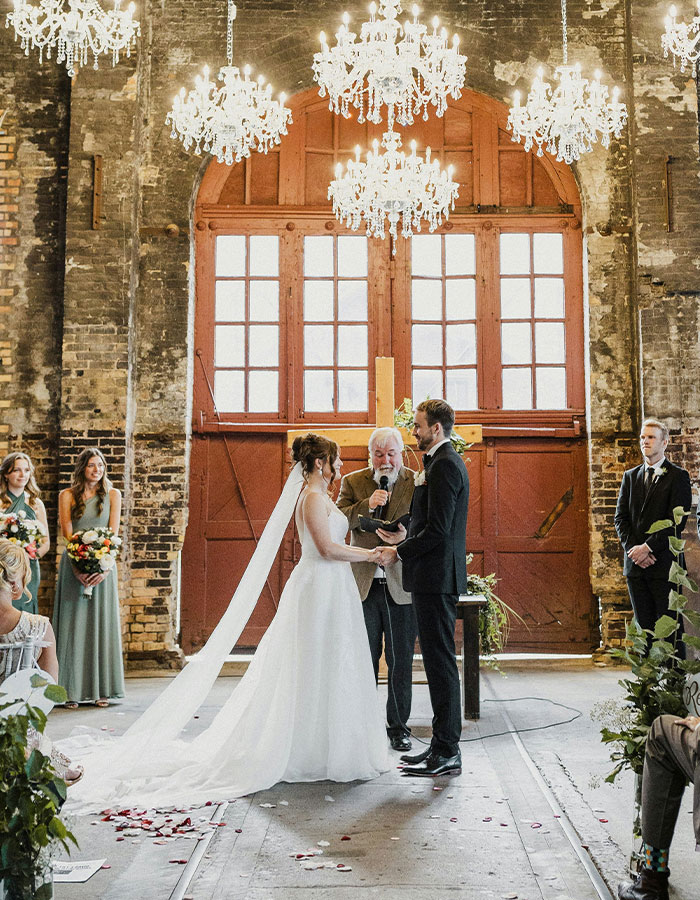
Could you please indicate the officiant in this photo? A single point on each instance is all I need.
(383, 491)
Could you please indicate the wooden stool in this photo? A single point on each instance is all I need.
(468, 607)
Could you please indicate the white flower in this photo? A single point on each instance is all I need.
(89, 537)
(117, 541)
(107, 563)
(659, 472)
(22, 514)
(113, 552)
(14, 528)
(419, 478)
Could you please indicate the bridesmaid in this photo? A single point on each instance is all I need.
(19, 492)
(88, 629)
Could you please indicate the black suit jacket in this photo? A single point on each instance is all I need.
(635, 514)
(434, 554)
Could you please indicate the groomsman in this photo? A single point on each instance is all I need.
(384, 490)
(435, 571)
(650, 492)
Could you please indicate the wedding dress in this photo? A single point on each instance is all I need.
(306, 709)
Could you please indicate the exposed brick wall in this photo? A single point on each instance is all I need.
(108, 356)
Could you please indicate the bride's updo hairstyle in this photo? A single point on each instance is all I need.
(306, 450)
(14, 566)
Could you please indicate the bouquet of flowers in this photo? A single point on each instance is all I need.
(94, 551)
(20, 529)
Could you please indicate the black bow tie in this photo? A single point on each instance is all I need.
(427, 461)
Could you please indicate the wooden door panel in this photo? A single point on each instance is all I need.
(531, 484)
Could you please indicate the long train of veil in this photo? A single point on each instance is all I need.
(145, 748)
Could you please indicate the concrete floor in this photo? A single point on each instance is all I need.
(474, 838)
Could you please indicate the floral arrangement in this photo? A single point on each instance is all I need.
(94, 552)
(19, 529)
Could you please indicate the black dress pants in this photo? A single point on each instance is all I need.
(396, 623)
(437, 614)
(649, 598)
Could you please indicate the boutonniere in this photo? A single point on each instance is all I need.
(419, 478)
(659, 473)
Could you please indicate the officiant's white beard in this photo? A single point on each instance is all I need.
(388, 472)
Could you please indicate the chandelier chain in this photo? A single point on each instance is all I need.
(230, 16)
(565, 39)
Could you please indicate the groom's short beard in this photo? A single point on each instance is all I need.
(388, 472)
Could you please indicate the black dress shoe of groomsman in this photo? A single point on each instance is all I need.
(400, 742)
(417, 757)
(648, 885)
(435, 765)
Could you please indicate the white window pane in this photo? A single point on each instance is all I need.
(460, 298)
(264, 301)
(515, 343)
(549, 298)
(230, 255)
(426, 383)
(352, 301)
(352, 256)
(264, 254)
(515, 254)
(318, 256)
(461, 389)
(459, 254)
(426, 299)
(549, 342)
(548, 254)
(229, 391)
(263, 392)
(352, 391)
(460, 349)
(318, 345)
(318, 301)
(517, 389)
(263, 345)
(229, 345)
(426, 254)
(318, 391)
(427, 345)
(352, 345)
(551, 388)
(230, 301)
(515, 298)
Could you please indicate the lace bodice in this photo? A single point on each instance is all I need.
(338, 525)
(20, 648)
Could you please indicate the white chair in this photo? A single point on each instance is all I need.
(17, 662)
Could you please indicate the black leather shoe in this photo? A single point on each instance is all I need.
(417, 757)
(400, 742)
(648, 885)
(436, 765)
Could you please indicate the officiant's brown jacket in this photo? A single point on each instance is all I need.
(355, 491)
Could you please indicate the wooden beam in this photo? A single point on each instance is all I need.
(384, 389)
(358, 435)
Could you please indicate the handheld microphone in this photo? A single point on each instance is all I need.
(383, 486)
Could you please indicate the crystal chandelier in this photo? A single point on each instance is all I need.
(392, 185)
(682, 40)
(568, 119)
(228, 120)
(403, 67)
(76, 28)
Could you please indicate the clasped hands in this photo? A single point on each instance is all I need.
(641, 556)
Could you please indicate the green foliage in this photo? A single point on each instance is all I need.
(404, 418)
(655, 685)
(494, 618)
(31, 795)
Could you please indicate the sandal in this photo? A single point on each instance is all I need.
(73, 776)
(102, 703)
(71, 704)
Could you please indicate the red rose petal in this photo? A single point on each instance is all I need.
(345, 838)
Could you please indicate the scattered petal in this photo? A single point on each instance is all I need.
(106, 866)
(266, 805)
(324, 843)
(604, 821)
(329, 799)
(345, 837)
(394, 839)
(343, 868)
(453, 819)
(239, 831)
(284, 802)
(487, 819)
(536, 825)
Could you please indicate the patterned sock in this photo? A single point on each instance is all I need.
(655, 858)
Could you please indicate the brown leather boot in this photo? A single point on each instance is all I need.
(648, 885)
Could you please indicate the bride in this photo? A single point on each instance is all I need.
(306, 709)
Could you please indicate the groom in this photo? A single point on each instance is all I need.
(435, 572)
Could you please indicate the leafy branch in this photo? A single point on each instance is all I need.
(404, 418)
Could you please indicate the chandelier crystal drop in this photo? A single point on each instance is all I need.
(568, 119)
(405, 67)
(392, 185)
(230, 119)
(76, 28)
(681, 40)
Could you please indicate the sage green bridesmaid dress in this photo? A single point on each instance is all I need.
(18, 504)
(88, 629)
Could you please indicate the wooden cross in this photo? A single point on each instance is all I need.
(358, 435)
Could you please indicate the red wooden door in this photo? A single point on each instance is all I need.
(486, 312)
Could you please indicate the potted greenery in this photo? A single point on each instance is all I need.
(657, 679)
(31, 795)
